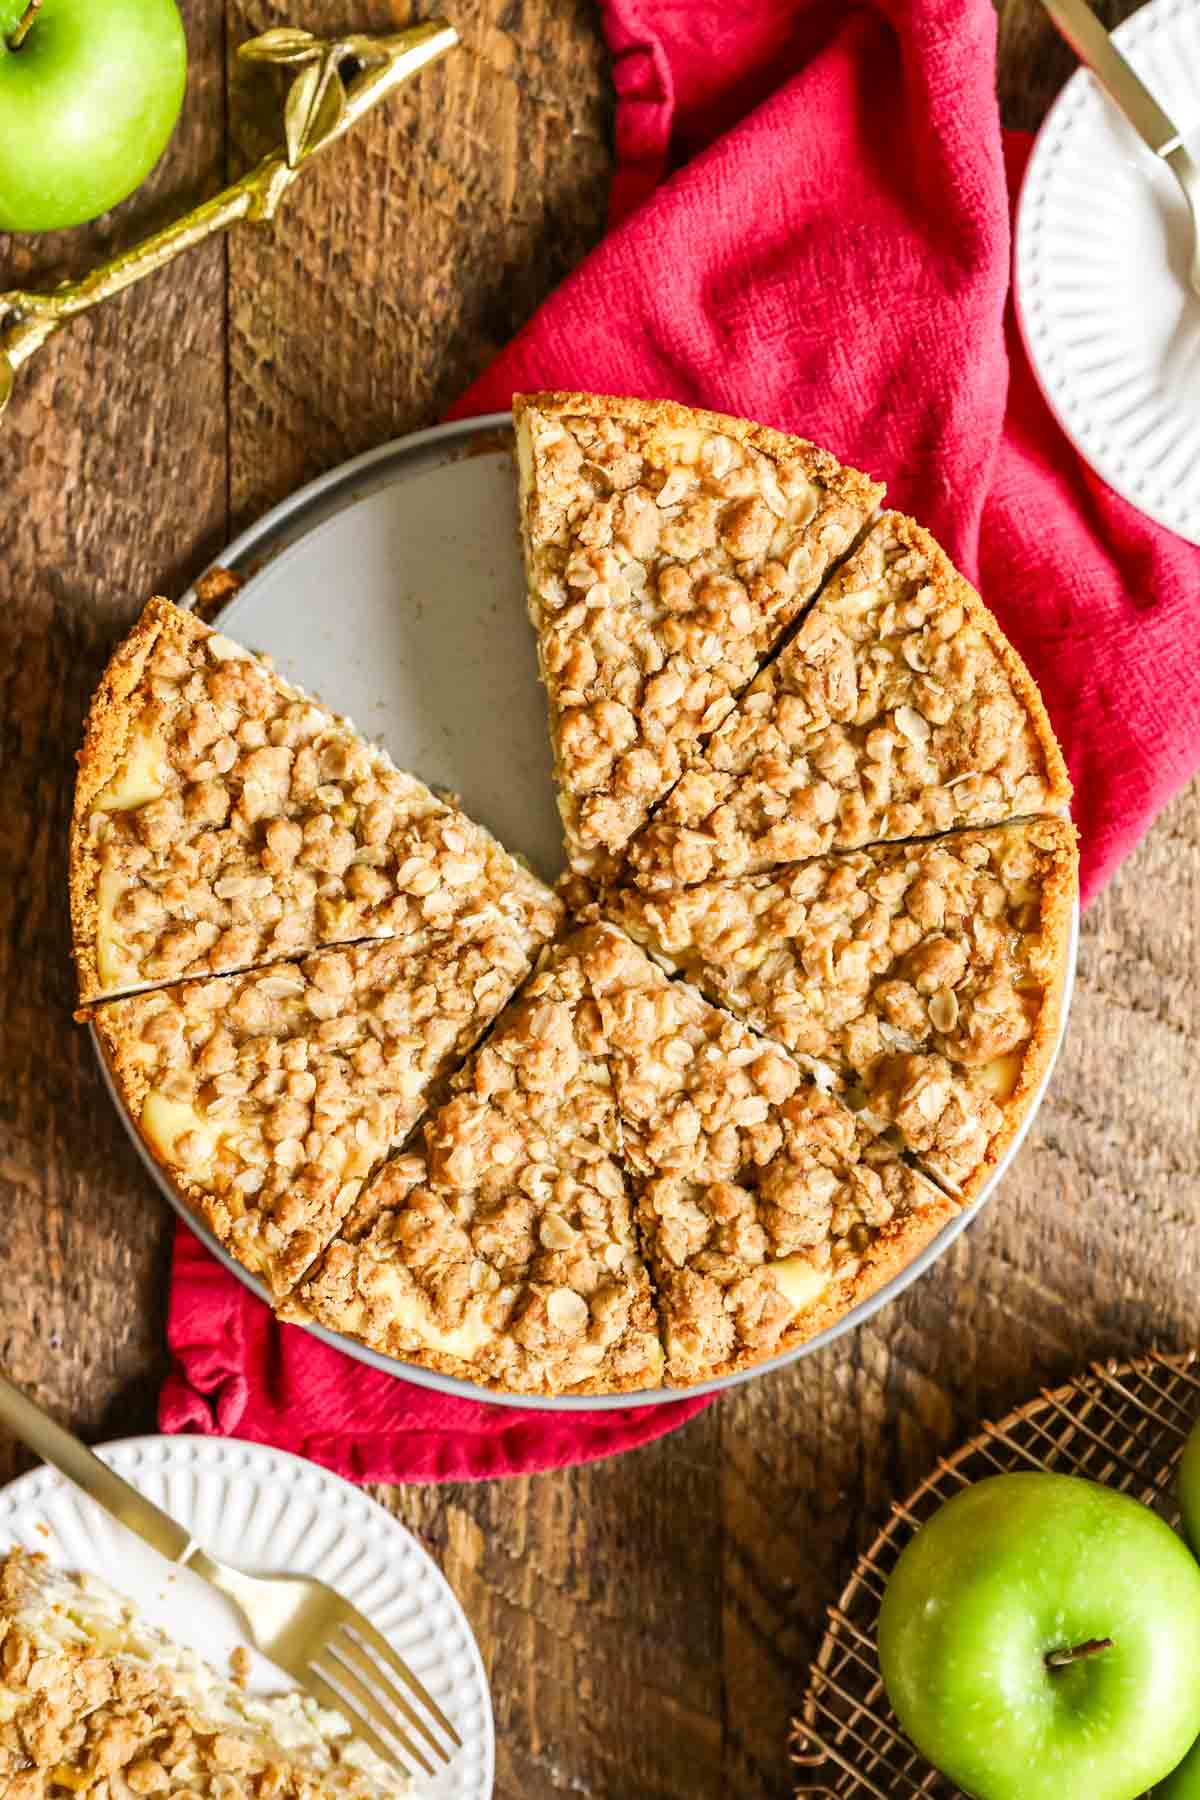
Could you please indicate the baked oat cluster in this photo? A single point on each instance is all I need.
(97, 1705)
(818, 903)
(668, 550)
(898, 710)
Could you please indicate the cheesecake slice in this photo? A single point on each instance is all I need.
(270, 1097)
(767, 1209)
(504, 1250)
(223, 819)
(898, 710)
(96, 1704)
(925, 980)
(667, 550)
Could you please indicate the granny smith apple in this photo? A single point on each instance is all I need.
(1182, 1783)
(88, 99)
(1040, 1638)
(1187, 1487)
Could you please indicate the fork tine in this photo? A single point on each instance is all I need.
(377, 1642)
(373, 1705)
(343, 1646)
(320, 1689)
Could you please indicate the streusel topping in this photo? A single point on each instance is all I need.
(666, 551)
(763, 1200)
(921, 975)
(898, 710)
(224, 819)
(506, 1248)
(95, 1703)
(271, 1096)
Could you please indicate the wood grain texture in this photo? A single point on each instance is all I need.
(647, 1622)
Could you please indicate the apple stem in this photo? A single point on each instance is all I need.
(24, 24)
(1062, 1659)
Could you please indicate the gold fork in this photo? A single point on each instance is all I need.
(304, 1627)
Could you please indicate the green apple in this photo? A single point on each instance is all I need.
(1040, 1638)
(1182, 1783)
(1187, 1487)
(88, 99)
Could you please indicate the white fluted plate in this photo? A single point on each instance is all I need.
(1103, 243)
(268, 1512)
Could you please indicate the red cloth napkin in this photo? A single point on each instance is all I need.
(811, 226)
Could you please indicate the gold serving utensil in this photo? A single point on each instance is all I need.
(1078, 24)
(321, 106)
(302, 1625)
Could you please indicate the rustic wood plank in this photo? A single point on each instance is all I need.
(113, 472)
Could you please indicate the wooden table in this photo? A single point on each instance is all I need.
(647, 1622)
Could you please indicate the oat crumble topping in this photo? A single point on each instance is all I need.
(506, 1248)
(224, 819)
(666, 551)
(898, 710)
(760, 1199)
(97, 1705)
(270, 1097)
(924, 976)
(765, 1205)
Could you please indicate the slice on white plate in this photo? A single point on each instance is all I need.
(268, 1512)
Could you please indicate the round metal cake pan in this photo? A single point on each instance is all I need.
(392, 589)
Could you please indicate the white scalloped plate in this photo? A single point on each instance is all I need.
(268, 1511)
(1102, 247)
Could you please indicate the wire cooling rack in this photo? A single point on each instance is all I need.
(1122, 1423)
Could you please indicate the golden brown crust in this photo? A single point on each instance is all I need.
(110, 721)
(852, 484)
(1059, 898)
(947, 578)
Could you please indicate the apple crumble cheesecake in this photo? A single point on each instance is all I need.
(925, 978)
(269, 1097)
(224, 819)
(96, 1704)
(666, 550)
(505, 1251)
(819, 900)
(898, 710)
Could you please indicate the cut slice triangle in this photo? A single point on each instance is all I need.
(504, 1250)
(922, 980)
(268, 1098)
(224, 819)
(667, 550)
(898, 710)
(767, 1208)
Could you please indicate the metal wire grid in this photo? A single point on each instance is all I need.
(1122, 1424)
